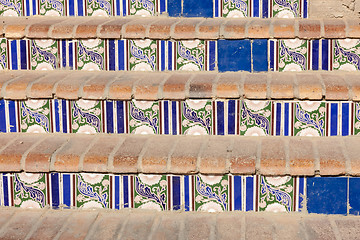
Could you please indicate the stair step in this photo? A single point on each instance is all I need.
(140, 224)
(126, 85)
(269, 156)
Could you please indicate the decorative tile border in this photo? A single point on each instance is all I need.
(193, 117)
(212, 8)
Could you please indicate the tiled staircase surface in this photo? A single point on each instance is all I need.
(140, 224)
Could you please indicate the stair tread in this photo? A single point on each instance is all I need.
(163, 154)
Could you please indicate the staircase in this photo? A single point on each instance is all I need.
(248, 109)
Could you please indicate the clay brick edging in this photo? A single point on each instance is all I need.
(269, 156)
(319, 85)
(176, 28)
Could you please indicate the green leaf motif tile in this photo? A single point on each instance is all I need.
(44, 54)
(150, 192)
(346, 54)
(86, 116)
(196, 118)
(190, 55)
(357, 119)
(255, 118)
(293, 55)
(309, 118)
(286, 8)
(142, 7)
(52, 7)
(144, 117)
(143, 55)
(276, 194)
(211, 193)
(11, 8)
(92, 190)
(99, 8)
(235, 9)
(35, 116)
(91, 55)
(3, 54)
(30, 190)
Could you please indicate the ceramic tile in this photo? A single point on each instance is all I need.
(90, 54)
(346, 54)
(259, 55)
(235, 9)
(286, 8)
(3, 54)
(234, 55)
(92, 190)
(35, 116)
(194, 8)
(52, 7)
(292, 55)
(44, 54)
(86, 116)
(143, 55)
(196, 118)
(309, 119)
(190, 55)
(11, 8)
(354, 195)
(357, 119)
(101, 8)
(255, 118)
(143, 117)
(2, 116)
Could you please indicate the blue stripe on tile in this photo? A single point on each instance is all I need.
(12, 116)
(174, 118)
(227, 49)
(325, 54)
(28, 8)
(55, 190)
(64, 115)
(272, 58)
(286, 120)
(170, 58)
(345, 119)
(6, 189)
(305, 9)
(249, 193)
(109, 117)
(327, 195)
(124, 7)
(278, 119)
(166, 117)
(162, 6)
(120, 116)
(216, 10)
(71, 8)
(118, 12)
(80, 8)
(220, 120)
(111, 55)
(117, 192)
(63, 52)
(66, 190)
(237, 192)
(57, 115)
(265, 8)
(256, 8)
(121, 54)
(71, 62)
(301, 193)
(14, 57)
(212, 55)
(315, 54)
(176, 194)
(334, 119)
(187, 192)
(126, 191)
(2, 116)
(34, 7)
(231, 116)
(260, 55)
(163, 56)
(23, 54)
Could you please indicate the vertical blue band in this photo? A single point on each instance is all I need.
(71, 8)
(334, 118)
(231, 117)
(2, 116)
(14, 57)
(278, 118)
(301, 193)
(109, 117)
(315, 54)
(80, 7)
(260, 55)
(163, 57)
(120, 116)
(166, 117)
(63, 52)
(71, 62)
(305, 9)
(64, 115)
(216, 10)
(118, 12)
(6, 190)
(256, 8)
(66, 190)
(174, 118)
(170, 58)
(249, 193)
(272, 57)
(117, 192)
(176, 192)
(212, 55)
(286, 120)
(237, 193)
(57, 115)
(111, 55)
(34, 7)
(162, 6)
(265, 9)
(345, 119)
(126, 191)
(23, 54)
(12, 116)
(325, 54)
(121, 54)
(187, 192)
(55, 190)
(220, 118)
(28, 8)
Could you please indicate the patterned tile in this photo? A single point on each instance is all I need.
(292, 55)
(44, 54)
(91, 54)
(144, 117)
(11, 8)
(52, 7)
(235, 9)
(35, 116)
(143, 55)
(142, 7)
(3, 54)
(86, 116)
(346, 54)
(309, 119)
(99, 7)
(255, 118)
(197, 117)
(357, 119)
(286, 8)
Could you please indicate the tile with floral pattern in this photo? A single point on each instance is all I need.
(309, 118)
(91, 54)
(346, 54)
(143, 55)
(144, 117)
(52, 7)
(286, 8)
(190, 55)
(99, 8)
(357, 119)
(196, 117)
(255, 118)
(150, 192)
(211, 193)
(92, 190)
(276, 194)
(35, 116)
(86, 116)
(30, 190)
(11, 8)
(142, 7)
(44, 54)
(293, 55)
(235, 8)
(3, 54)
